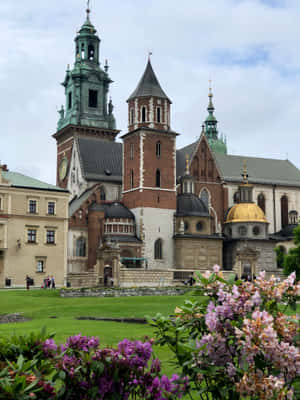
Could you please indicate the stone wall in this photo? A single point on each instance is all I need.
(124, 292)
(143, 277)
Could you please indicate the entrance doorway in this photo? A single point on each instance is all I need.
(247, 271)
(108, 276)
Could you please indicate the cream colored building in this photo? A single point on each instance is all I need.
(33, 230)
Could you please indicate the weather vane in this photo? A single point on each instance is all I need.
(88, 8)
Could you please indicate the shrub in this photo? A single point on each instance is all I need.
(234, 341)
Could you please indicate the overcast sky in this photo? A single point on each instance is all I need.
(250, 48)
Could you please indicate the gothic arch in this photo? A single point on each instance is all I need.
(81, 247)
(205, 196)
(158, 249)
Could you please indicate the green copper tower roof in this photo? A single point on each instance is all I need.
(87, 84)
(217, 144)
(149, 86)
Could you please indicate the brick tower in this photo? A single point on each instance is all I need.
(149, 169)
(87, 111)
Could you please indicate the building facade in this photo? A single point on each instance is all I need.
(33, 230)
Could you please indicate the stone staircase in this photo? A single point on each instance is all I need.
(82, 279)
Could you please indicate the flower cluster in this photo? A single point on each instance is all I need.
(246, 346)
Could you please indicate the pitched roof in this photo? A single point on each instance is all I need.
(100, 159)
(75, 204)
(19, 180)
(260, 170)
(149, 85)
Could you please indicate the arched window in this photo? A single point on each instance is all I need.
(158, 112)
(204, 196)
(132, 116)
(284, 203)
(131, 179)
(158, 178)
(143, 114)
(261, 202)
(293, 217)
(236, 197)
(81, 247)
(102, 193)
(82, 51)
(158, 255)
(91, 52)
(158, 149)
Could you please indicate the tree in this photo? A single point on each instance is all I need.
(291, 261)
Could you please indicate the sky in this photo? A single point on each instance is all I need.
(249, 48)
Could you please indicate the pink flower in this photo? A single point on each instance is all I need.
(216, 268)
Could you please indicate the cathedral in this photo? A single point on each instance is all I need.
(143, 211)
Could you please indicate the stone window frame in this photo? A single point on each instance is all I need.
(158, 115)
(40, 260)
(143, 113)
(54, 207)
(158, 249)
(32, 234)
(80, 251)
(29, 203)
(50, 236)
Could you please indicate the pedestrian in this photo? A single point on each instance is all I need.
(27, 279)
(52, 282)
(48, 282)
(111, 282)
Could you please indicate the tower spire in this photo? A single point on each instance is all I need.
(88, 10)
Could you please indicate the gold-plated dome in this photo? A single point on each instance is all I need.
(246, 212)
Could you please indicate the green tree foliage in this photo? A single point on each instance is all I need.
(291, 261)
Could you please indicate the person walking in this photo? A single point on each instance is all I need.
(27, 279)
(52, 282)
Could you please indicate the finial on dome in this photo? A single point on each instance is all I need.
(245, 174)
(187, 164)
(88, 10)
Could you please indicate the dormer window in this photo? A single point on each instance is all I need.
(143, 114)
(93, 98)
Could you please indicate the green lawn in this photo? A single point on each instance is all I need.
(43, 305)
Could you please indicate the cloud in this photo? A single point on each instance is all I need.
(249, 47)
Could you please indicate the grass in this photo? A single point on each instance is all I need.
(43, 305)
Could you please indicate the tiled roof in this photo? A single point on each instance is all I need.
(260, 170)
(101, 160)
(149, 85)
(19, 180)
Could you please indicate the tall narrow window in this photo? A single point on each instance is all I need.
(80, 247)
(204, 196)
(131, 179)
(158, 149)
(158, 178)
(102, 193)
(82, 51)
(158, 254)
(132, 116)
(158, 112)
(70, 100)
(40, 266)
(131, 151)
(195, 167)
(284, 210)
(91, 52)
(261, 202)
(93, 98)
(143, 114)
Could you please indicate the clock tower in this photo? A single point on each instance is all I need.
(87, 111)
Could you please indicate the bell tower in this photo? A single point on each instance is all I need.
(87, 110)
(149, 169)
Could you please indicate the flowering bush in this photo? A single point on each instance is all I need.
(81, 370)
(234, 341)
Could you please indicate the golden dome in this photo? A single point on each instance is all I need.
(246, 212)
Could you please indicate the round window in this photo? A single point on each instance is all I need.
(199, 226)
(242, 230)
(256, 230)
(186, 226)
